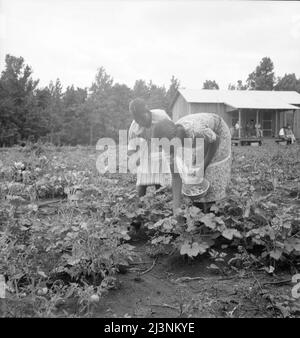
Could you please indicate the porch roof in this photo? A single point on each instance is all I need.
(244, 99)
(258, 102)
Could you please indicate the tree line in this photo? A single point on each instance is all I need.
(83, 115)
(70, 117)
(262, 78)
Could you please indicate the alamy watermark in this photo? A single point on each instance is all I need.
(153, 155)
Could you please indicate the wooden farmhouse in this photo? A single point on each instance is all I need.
(272, 109)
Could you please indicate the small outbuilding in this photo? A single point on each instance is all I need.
(272, 109)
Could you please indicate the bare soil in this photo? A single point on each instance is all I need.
(177, 287)
(171, 286)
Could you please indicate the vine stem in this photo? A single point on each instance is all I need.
(284, 281)
(151, 267)
(166, 305)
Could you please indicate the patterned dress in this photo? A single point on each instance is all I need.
(149, 160)
(207, 126)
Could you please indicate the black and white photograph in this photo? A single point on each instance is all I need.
(149, 161)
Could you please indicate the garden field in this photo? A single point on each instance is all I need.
(69, 245)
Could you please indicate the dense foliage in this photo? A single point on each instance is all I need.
(65, 230)
(70, 117)
(263, 78)
(83, 115)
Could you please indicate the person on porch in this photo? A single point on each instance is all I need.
(248, 129)
(232, 130)
(281, 134)
(252, 128)
(236, 129)
(259, 132)
(289, 134)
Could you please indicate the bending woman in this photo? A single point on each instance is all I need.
(217, 153)
(142, 126)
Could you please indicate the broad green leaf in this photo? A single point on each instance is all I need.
(276, 254)
(209, 220)
(203, 246)
(185, 248)
(168, 224)
(214, 208)
(194, 249)
(42, 273)
(292, 244)
(230, 233)
(157, 224)
(214, 267)
(194, 211)
(287, 224)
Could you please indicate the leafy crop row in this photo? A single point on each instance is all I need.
(65, 230)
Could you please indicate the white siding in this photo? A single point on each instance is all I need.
(297, 124)
(216, 108)
(180, 108)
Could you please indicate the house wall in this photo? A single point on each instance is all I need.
(281, 120)
(296, 128)
(180, 108)
(216, 108)
(293, 118)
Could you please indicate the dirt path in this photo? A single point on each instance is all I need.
(171, 286)
(172, 289)
(176, 288)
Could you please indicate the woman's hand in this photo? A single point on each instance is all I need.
(131, 152)
(176, 185)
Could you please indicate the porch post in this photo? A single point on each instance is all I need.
(240, 120)
(284, 118)
(294, 111)
(257, 116)
(276, 126)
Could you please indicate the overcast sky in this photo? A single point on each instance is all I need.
(150, 40)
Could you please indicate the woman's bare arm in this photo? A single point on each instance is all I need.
(176, 190)
(176, 187)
